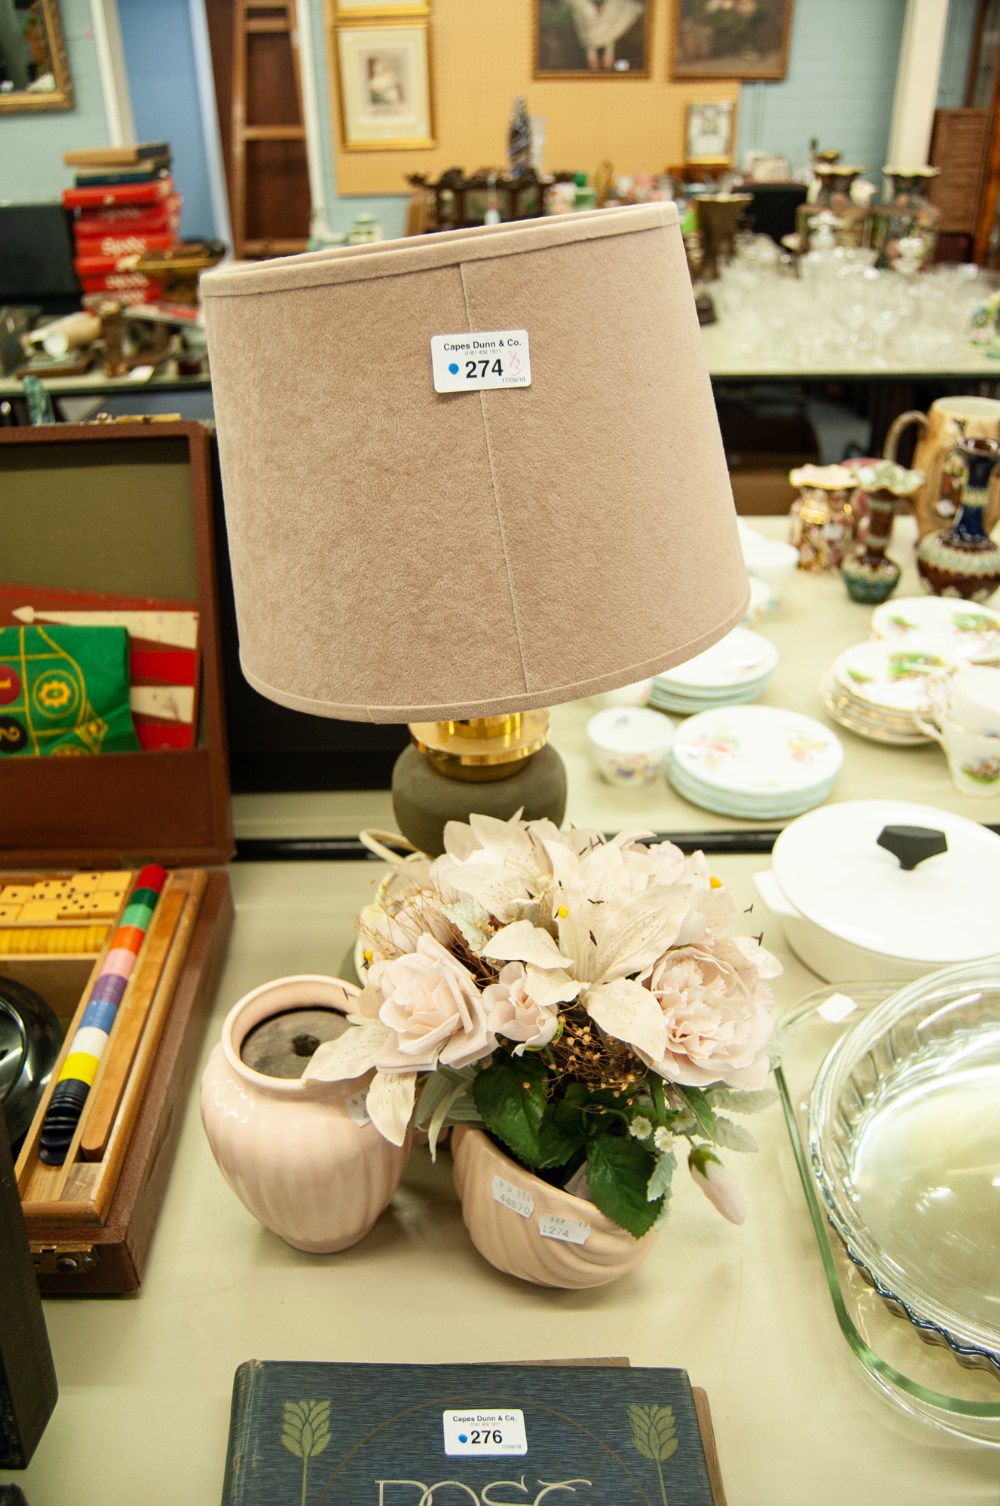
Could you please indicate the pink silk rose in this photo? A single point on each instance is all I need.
(513, 1013)
(717, 1006)
(433, 1010)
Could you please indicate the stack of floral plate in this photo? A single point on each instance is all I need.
(757, 762)
(733, 670)
(878, 688)
(961, 629)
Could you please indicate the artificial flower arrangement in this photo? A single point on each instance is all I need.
(582, 999)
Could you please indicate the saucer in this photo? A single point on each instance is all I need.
(964, 629)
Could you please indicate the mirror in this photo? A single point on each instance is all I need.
(34, 72)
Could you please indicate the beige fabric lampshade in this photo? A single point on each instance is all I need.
(403, 554)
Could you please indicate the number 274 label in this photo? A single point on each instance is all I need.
(487, 359)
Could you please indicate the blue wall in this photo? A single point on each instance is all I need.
(165, 100)
(32, 145)
(389, 211)
(839, 87)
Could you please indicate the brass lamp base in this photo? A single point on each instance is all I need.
(493, 766)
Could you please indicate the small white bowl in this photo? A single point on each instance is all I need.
(770, 560)
(626, 695)
(629, 744)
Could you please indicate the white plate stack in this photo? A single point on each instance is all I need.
(732, 671)
(760, 763)
(877, 688)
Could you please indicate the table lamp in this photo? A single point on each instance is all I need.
(468, 476)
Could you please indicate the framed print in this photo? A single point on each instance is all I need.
(592, 38)
(385, 87)
(708, 133)
(354, 10)
(731, 38)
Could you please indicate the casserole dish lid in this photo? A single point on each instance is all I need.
(831, 867)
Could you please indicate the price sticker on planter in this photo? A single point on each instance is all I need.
(517, 1199)
(484, 1432)
(357, 1108)
(478, 362)
(572, 1231)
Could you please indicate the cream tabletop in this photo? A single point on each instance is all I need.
(813, 622)
(145, 1382)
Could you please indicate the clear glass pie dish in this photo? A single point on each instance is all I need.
(892, 1102)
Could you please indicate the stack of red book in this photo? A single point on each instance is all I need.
(124, 202)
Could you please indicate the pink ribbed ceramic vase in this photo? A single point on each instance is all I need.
(528, 1228)
(302, 1157)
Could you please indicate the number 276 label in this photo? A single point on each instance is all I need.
(473, 363)
(485, 1432)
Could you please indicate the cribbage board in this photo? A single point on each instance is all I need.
(115, 511)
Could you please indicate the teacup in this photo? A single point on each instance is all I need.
(629, 744)
(973, 697)
(973, 757)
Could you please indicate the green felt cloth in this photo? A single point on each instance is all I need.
(65, 690)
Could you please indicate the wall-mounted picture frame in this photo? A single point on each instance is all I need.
(709, 132)
(592, 38)
(743, 39)
(384, 85)
(368, 10)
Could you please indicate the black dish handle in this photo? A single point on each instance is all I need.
(912, 844)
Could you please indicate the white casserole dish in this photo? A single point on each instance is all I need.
(850, 910)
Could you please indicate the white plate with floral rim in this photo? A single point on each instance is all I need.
(758, 751)
(969, 630)
(889, 675)
(741, 659)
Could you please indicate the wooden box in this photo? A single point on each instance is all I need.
(117, 510)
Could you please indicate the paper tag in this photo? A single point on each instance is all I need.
(517, 1199)
(572, 1231)
(836, 1008)
(482, 1432)
(357, 1108)
(474, 363)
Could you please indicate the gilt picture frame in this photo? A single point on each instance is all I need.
(584, 39)
(709, 133)
(34, 64)
(738, 39)
(384, 86)
(367, 10)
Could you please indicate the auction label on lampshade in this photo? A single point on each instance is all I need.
(474, 363)
(482, 1432)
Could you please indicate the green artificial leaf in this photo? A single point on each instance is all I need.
(305, 1427)
(661, 1182)
(732, 1136)
(701, 1109)
(654, 1432)
(618, 1173)
(510, 1097)
(741, 1101)
(562, 1135)
(445, 1100)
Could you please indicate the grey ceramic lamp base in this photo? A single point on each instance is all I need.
(424, 799)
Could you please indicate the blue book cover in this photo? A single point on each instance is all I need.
(330, 1434)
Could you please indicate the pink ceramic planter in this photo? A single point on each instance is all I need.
(520, 1224)
(292, 1151)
